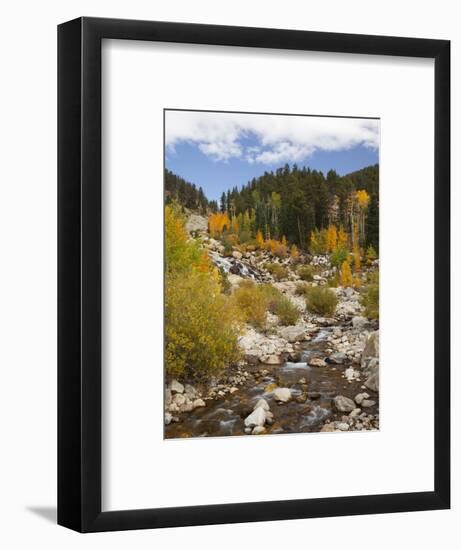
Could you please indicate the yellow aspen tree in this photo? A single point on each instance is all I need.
(363, 199)
(294, 252)
(346, 274)
(332, 238)
(342, 238)
(260, 239)
(217, 223)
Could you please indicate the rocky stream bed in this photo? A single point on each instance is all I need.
(321, 375)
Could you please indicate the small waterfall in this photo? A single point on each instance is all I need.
(234, 266)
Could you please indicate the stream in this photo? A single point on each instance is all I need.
(312, 389)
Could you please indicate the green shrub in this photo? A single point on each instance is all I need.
(252, 303)
(277, 271)
(305, 273)
(302, 289)
(201, 327)
(370, 296)
(321, 300)
(270, 293)
(339, 256)
(286, 311)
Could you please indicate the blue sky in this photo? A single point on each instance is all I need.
(222, 150)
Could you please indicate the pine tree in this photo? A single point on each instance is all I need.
(372, 223)
(223, 202)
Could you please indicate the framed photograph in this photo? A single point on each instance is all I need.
(254, 274)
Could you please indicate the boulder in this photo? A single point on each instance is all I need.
(344, 404)
(176, 387)
(372, 382)
(371, 349)
(263, 404)
(296, 333)
(179, 399)
(372, 372)
(317, 362)
(360, 397)
(199, 403)
(366, 403)
(359, 322)
(350, 374)
(256, 418)
(190, 391)
(282, 394)
(258, 430)
(237, 255)
(168, 418)
(337, 358)
(187, 407)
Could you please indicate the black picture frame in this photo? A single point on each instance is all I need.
(79, 274)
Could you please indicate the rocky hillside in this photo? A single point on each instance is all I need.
(319, 374)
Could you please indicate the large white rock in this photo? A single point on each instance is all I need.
(263, 404)
(372, 382)
(179, 399)
(296, 333)
(359, 321)
(282, 394)
(176, 387)
(360, 397)
(371, 349)
(344, 404)
(256, 418)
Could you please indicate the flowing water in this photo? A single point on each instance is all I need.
(314, 387)
(236, 267)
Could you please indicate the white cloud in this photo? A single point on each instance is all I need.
(280, 138)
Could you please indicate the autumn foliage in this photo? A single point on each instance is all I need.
(201, 323)
(217, 223)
